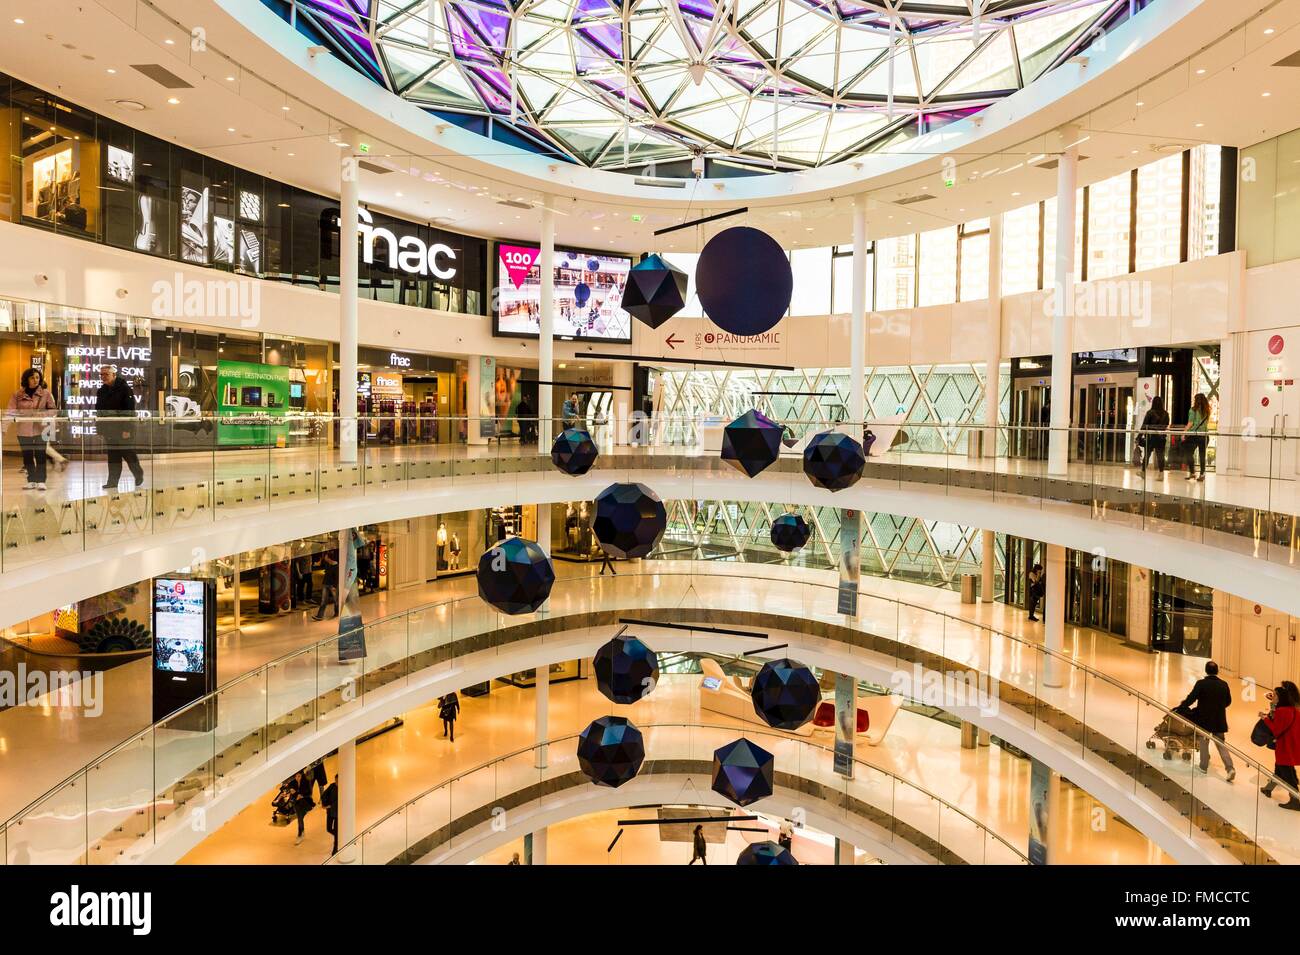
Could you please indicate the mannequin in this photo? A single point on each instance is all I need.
(441, 538)
(455, 552)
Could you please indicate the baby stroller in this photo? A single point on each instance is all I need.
(1177, 735)
(282, 810)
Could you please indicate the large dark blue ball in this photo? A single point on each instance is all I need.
(626, 669)
(743, 281)
(765, 853)
(611, 751)
(574, 452)
(833, 460)
(751, 443)
(515, 576)
(790, 532)
(785, 694)
(630, 519)
(743, 772)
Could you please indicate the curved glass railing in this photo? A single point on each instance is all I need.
(440, 818)
(198, 471)
(146, 787)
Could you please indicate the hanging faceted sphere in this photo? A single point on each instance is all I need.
(515, 576)
(581, 293)
(610, 751)
(655, 291)
(833, 460)
(593, 265)
(785, 694)
(630, 519)
(574, 452)
(626, 669)
(743, 280)
(742, 772)
(790, 532)
(751, 443)
(765, 853)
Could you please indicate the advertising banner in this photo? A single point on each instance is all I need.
(1040, 786)
(850, 561)
(846, 723)
(251, 398)
(352, 638)
(588, 296)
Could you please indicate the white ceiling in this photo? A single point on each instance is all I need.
(1214, 77)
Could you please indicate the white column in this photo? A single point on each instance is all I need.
(858, 321)
(988, 566)
(1058, 453)
(347, 773)
(546, 338)
(542, 694)
(622, 402)
(539, 847)
(1054, 615)
(349, 199)
(992, 392)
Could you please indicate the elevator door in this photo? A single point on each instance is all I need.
(1029, 415)
(1021, 555)
(1105, 413)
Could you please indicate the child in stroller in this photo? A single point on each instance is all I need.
(282, 811)
(1177, 733)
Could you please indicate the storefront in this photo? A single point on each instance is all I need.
(410, 397)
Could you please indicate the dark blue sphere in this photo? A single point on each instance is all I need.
(751, 443)
(611, 751)
(515, 576)
(790, 532)
(574, 452)
(743, 772)
(626, 669)
(581, 292)
(743, 280)
(785, 694)
(765, 853)
(630, 519)
(593, 265)
(833, 461)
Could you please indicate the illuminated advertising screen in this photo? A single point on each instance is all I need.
(180, 625)
(588, 294)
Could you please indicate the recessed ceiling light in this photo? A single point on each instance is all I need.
(1140, 103)
(112, 71)
(285, 108)
(398, 194)
(172, 100)
(230, 79)
(1201, 71)
(169, 41)
(1199, 125)
(1015, 193)
(1269, 31)
(1266, 94)
(595, 228)
(291, 154)
(19, 20)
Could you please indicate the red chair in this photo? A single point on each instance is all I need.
(824, 716)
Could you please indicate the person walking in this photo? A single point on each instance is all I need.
(1196, 438)
(329, 590)
(115, 417)
(27, 405)
(448, 711)
(785, 836)
(605, 562)
(1037, 589)
(699, 848)
(1152, 434)
(302, 802)
(1281, 721)
(329, 798)
(1208, 703)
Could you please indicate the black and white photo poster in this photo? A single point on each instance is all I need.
(194, 220)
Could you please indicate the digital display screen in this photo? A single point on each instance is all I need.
(588, 294)
(180, 625)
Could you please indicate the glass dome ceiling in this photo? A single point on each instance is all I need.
(764, 83)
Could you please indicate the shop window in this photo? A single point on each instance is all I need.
(1109, 204)
(1159, 212)
(1020, 250)
(937, 284)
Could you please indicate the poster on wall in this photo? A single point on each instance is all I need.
(487, 403)
(194, 219)
(250, 251)
(120, 165)
(352, 634)
(846, 723)
(1040, 785)
(252, 400)
(150, 214)
(588, 294)
(52, 184)
(223, 240)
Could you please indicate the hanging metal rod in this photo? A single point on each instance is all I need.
(701, 221)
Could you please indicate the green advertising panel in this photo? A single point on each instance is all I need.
(250, 397)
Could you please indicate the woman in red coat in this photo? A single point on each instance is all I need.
(1283, 722)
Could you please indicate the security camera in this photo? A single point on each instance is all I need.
(41, 278)
(122, 293)
(317, 50)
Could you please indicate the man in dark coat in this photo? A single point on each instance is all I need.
(329, 798)
(115, 421)
(1212, 697)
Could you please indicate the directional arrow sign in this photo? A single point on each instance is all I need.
(672, 341)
